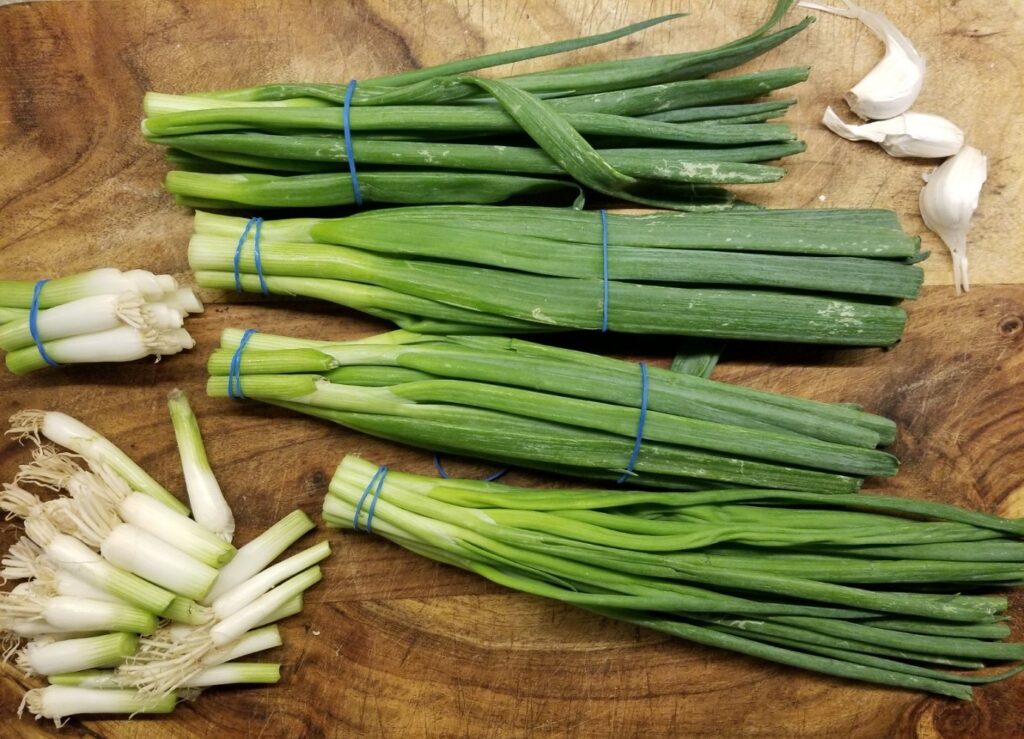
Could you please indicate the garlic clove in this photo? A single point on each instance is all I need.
(893, 85)
(908, 135)
(948, 202)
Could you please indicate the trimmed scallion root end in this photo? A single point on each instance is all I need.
(59, 702)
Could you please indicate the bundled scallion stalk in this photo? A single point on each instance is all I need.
(811, 276)
(571, 412)
(103, 315)
(652, 130)
(843, 585)
(129, 604)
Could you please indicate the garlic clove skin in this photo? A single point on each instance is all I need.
(912, 134)
(892, 86)
(948, 202)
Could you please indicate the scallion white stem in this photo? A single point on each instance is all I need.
(25, 559)
(66, 612)
(290, 608)
(74, 435)
(84, 316)
(260, 552)
(243, 620)
(57, 702)
(66, 583)
(232, 673)
(101, 500)
(72, 555)
(246, 592)
(141, 553)
(187, 611)
(256, 640)
(104, 679)
(176, 529)
(72, 655)
(121, 344)
(31, 628)
(204, 494)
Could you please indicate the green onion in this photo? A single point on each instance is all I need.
(58, 702)
(236, 673)
(254, 557)
(72, 434)
(102, 500)
(245, 593)
(813, 277)
(667, 561)
(70, 595)
(72, 555)
(96, 615)
(71, 655)
(100, 316)
(575, 413)
(210, 509)
(252, 615)
(143, 554)
(648, 130)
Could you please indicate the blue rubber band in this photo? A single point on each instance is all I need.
(33, 313)
(490, 478)
(258, 222)
(235, 371)
(639, 425)
(378, 480)
(257, 258)
(349, 154)
(604, 271)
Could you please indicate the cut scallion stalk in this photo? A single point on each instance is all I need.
(139, 552)
(97, 615)
(248, 617)
(74, 435)
(72, 655)
(246, 592)
(236, 673)
(58, 702)
(204, 494)
(70, 554)
(260, 552)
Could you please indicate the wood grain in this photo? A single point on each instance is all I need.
(391, 644)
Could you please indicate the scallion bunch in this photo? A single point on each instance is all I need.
(865, 587)
(571, 412)
(128, 604)
(651, 130)
(104, 315)
(812, 276)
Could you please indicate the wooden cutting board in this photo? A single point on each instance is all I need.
(393, 645)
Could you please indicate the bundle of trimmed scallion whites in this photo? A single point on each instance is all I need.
(517, 402)
(813, 276)
(104, 315)
(127, 603)
(845, 585)
(650, 130)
